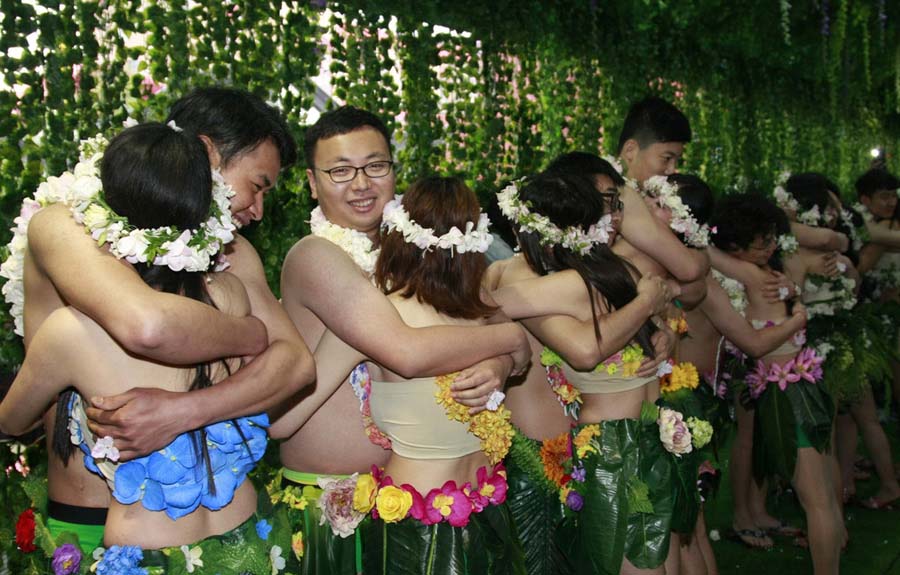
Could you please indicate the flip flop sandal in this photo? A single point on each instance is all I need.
(742, 536)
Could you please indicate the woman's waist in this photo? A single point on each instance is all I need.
(428, 474)
(597, 408)
(135, 525)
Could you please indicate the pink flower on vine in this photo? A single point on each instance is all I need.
(783, 374)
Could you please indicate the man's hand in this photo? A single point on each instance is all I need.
(140, 421)
(474, 385)
(663, 345)
(778, 288)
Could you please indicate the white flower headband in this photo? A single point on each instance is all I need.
(682, 221)
(572, 238)
(617, 166)
(787, 202)
(81, 190)
(474, 239)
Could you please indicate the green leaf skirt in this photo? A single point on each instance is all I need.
(629, 498)
(536, 510)
(487, 545)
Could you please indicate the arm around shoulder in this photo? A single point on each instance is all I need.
(153, 324)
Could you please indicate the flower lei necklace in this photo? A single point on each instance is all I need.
(572, 238)
(683, 222)
(82, 191)
(475, 239)
(356, 244)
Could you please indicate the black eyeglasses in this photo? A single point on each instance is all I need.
(612, 202)
(344, 174)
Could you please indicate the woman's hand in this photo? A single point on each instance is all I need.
(778, 288)
(473, 386)
(663, 345)
(825, 265)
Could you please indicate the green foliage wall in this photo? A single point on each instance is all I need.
(812, 84)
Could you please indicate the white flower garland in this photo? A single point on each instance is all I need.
(858, 235)
(355, 243)
(395, 217)
(82, 190)
(572, 238)
(682, 221)
(863, 211)
(737, 293)
(788, 244)
(825, 296)
(783, 199)
(616, 163)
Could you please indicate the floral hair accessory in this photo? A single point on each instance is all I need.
(355, 243)
(783, 199)
(474, 239)
(683, 221)
(81, 189)
(174, 126)
(572, 238)
(616, 163)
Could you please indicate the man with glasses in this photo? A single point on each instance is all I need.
(325, 287)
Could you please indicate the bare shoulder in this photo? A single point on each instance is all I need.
(228, 293)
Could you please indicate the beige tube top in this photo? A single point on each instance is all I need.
(602, 382)
(787, 348)
(408, 413)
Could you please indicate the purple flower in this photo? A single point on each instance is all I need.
(66, 559)
(578, 473)
(574, 501)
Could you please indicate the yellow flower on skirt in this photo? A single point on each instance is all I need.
(393, 503)
(364, 494)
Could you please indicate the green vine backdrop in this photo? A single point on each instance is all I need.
(488, 90)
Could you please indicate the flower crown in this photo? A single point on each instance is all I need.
(616, 163)
(81, 190)
(572, 238)
(787, 202)
(683, 221)
(474, 239)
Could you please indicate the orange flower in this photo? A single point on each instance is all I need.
(553, 453)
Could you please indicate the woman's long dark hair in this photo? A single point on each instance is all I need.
(156, 176)
(812, 189)
(572, 201)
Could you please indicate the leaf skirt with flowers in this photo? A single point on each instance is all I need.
(681, 391)
(793, 411)
(259, 546)
(318, 547)
(535, 506)
(622, 492)
(450, 530)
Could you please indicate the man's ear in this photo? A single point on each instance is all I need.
(311, 178)
(630, 151)
(215, 160)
